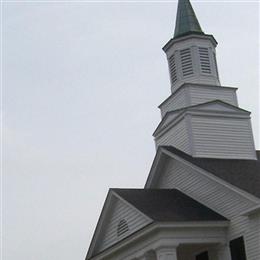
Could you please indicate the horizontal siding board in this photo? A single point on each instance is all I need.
(176, 136)
(222, 137)
(219, 107)
(253, 238)
(194, 95)
(170, 118)
(217, 197)
(175, 102)
(120, 210)
(203, 95)
(178, 175)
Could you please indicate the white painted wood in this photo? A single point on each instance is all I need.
(178, 100)
(150, 255)
(220, 137)
(166, 253)
(200, 95)
(160, 235)
(170, 117)
(253, 237)
(214, 108)
(218, 107)
(176, 136)
(195, 74)
(209, 131)
(120, 210)
(218, 197)
(190, 95)
(224, 252)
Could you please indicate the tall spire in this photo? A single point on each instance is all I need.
(186, 20)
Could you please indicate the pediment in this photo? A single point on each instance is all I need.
(118, 220)
(167, 119)
(216, 106)
(219, 106)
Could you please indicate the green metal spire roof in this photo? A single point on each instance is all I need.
(186, 20)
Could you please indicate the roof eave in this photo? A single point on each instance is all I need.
(160, 225)
(186, 84)
(186, 36)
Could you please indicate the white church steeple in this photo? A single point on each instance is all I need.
(191, 53)
(200, 118)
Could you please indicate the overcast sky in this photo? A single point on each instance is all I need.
(82, 82)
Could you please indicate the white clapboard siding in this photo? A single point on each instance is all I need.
(205, 94)
(191, 95)
(179, 100)
(120, 211)
(217, 197)
(218, 107)
(176, 136)
(253, 238)
(170, 118)
(220, 137)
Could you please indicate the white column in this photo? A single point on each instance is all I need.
(150, 255)
(224, 252)
(167, 253)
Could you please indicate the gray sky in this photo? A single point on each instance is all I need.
(82, 82)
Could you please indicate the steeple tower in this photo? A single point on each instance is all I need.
(186, 20)
(200, 118)
(191, 53)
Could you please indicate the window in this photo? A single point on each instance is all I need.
(122, 227)
(204, 60)
(186, 62)
(172, 67)
(237, 249)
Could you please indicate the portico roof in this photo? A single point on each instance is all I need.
(169, 205)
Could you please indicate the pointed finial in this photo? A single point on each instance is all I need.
(186, 20)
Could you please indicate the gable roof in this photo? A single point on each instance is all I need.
(244, 174)
(107, 222)
(169, 205)
(158, 205)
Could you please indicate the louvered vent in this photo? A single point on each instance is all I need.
(186, 62)
(172, 67)
(122, 227)
(204, 60)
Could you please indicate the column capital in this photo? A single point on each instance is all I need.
(149, 255)
(167, 252)
(165, 243)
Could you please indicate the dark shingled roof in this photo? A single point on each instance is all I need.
(168, 205)
(244, 174)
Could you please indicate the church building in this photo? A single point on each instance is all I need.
(201, 200)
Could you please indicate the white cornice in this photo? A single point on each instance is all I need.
(161, 129)
(172, 42)
(206, 86)
(157, 242)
